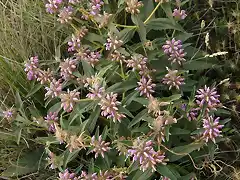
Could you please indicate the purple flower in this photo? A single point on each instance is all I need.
(91, 57)
(73, 1)
(212, 128)
(145, 155)
(179, 14)
(75, 42)
(96, 92)
(192, 114)
(133, 6)
(112, 42)
(99, 146)
(96, 6)
(175, 51)
(65, 14)
(109, 107)
(50, 119)
(67, 68)
(53, 5)
(137, 62)
(31, 67)
(85, 176)
(8, 114)
(209, 97)
(66, 175)
(172, 79)
(55, 89)
(145, 86)
(69, 99)
(45, 76)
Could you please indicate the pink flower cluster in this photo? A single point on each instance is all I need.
(143, 153)
(51, 118)
(99, 146)
(31, 67)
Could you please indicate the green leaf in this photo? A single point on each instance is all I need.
(69, 156)
(92, 37)
(163, 24)
(29, 163)
(168, 10)
(18, 101)
(35, 89)
(127, 34)
(138, 118)
(125, 111)
(179, 131)
(127, 100)
(93, 119)
(187, 177)
(55, 108)
(184, 150)
(171, 98)
(88, 70)
(198, 65)
(148, 8)
(142, 101)
(168, 171)
(140, 175)
(141, 28)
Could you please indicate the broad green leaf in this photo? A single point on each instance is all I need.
(198, 65)
(141, 28)
(168, 10)
(18, 101)
(171, 98)
(125, 111)
(127, 34)
(148, 8)
(141, 100)
(55, 108)
(190, 176)
(29, 163)
(127, 100)
(182, 151)
(179, 131)
(92, 120)
(140, 175)
(87, 68)
(168, 171)
(92, 37)
(68, 157)
(35, 89)
(163, 24)
(138, 118)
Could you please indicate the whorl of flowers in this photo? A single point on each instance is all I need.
(192, 114)
(67, 68)
(91, 57)
(146, 86)
(103, 19)
(179, 14)
(74, 1)
(133, 6)
(109, 107)
(212, 128)
(76, 142)
(95, 92)
(99, 146)
(69, 99)
(209, 97)
(53, 5)
(117, 56)
(31, 67)
(51, 160)
(85, 176)
(51, 118)
(174, 50)
(8, 114)
(75, 42)
(65, 14)
(66, 175)
(45, 76)
(96, 6)
(60, 134)
(55, 89)
(137, 62)
(112, 42)
(143, 153)
(154, 106)
(172, 79)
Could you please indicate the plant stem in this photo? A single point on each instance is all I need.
(149, 17)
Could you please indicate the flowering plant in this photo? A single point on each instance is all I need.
(121, 97)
